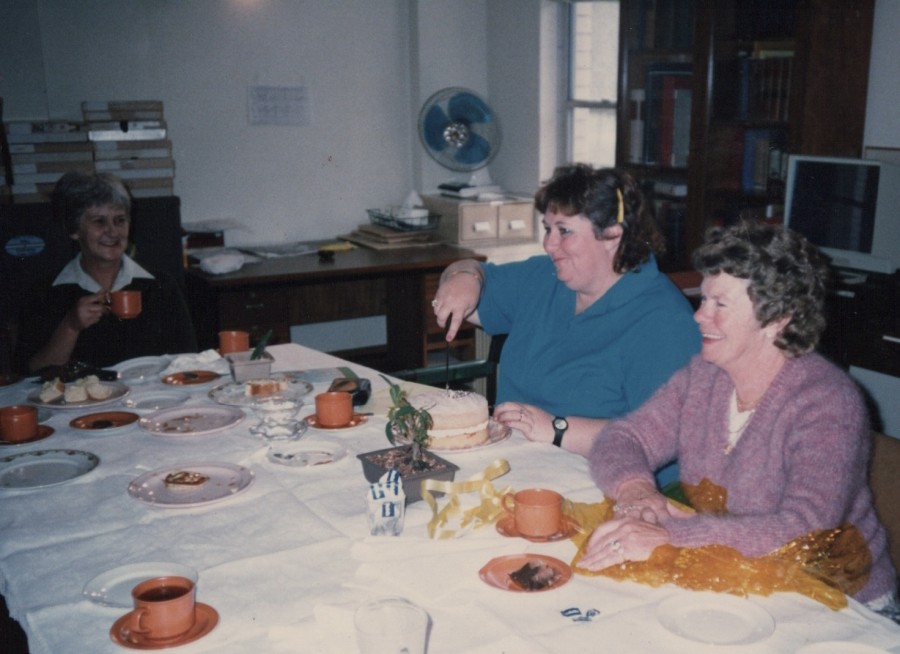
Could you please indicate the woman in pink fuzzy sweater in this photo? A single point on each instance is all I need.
(772, 440)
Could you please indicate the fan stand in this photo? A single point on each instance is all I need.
(481, 177)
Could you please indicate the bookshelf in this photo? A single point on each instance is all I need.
(762, 78)
(656, 96)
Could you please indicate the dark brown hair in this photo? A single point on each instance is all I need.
(581, 189)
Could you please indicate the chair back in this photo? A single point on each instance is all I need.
(884, 478)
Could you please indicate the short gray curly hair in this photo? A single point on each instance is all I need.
(76, 192)
(788, 277)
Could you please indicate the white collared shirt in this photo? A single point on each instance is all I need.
(73, 273)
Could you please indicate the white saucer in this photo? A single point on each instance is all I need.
(113, 587)
(715, 618)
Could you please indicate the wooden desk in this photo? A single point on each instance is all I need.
(277, 293)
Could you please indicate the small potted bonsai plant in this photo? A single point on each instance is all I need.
(407, 431)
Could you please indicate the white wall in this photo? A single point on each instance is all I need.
(882, 126)
(883, 130)
(367, 65)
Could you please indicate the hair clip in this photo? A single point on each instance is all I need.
(620, 216)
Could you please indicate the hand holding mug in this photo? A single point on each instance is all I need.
(87, 311)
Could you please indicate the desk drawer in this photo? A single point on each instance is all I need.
(477, 222)
(253, 306)
(516, 222)
(482, 222)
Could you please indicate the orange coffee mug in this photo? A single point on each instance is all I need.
(18, 423)
(233, 341)
(334, 408)
(537, 511)
(125, 304)
(163, 608)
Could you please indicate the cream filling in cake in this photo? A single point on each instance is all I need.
(459, 418)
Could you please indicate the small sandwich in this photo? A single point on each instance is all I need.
(96, 390)
(52, 390)
(75, 393)
(253, 387)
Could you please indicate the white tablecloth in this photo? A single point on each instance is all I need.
(286, 562)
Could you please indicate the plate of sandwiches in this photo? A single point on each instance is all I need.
(82, 393)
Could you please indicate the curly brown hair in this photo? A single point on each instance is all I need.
(788, 277)
(581, 189)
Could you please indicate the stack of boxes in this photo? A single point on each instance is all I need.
(39, 152)
(128, 139)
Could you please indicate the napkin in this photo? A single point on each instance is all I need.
(206, 360)
(385, 502)
(219, 264)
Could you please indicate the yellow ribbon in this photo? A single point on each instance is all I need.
(486, 512)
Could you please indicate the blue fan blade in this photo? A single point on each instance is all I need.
(433, 128)
(473, 151)
(468, 108)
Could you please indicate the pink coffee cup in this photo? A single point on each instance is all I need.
(537, 511)
(18, 423)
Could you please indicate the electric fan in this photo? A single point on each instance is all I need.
(459, 130)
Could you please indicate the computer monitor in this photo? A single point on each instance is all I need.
(849, 208)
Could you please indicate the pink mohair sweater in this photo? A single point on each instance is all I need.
(801, 464)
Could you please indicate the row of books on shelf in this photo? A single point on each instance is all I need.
(128, 139)
(747, 159)
(765, 82)
(664, 24)
(661, 117)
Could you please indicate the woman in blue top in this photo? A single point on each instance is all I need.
(594, 328)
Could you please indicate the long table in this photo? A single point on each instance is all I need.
(286, 562)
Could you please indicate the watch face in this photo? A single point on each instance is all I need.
(560, 423)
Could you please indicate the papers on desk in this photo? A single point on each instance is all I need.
(384, 238)
(275, 250)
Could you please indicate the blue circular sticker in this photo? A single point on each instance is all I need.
(25, 245)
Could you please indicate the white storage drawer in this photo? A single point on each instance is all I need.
(475, 222)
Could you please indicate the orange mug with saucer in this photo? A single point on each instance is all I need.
(163, 608)
(334, 409)
(18, 423)
(537, 511)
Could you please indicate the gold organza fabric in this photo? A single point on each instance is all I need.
(825, 565)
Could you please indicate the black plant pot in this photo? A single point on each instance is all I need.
(440, 469)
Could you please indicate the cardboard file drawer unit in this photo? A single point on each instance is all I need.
(471, 222)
